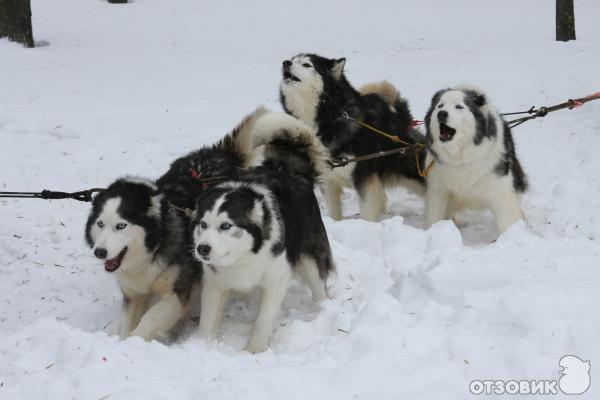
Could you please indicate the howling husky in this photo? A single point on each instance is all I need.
(315, 90)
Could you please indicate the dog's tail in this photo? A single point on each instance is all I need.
(383, 89)
(290, 144)
(239, 140)
(388, 93)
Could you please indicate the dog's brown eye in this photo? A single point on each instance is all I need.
(441, 105)
(100, 224)
(307, 65)
(203, 225)
(459, 107)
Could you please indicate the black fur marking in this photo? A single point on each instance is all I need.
(485, 123)
(344, 137)
(266, 221)
(208, 199)
(278, 248)
(510, 163)
(239, 204)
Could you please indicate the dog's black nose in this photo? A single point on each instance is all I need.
(442, 116)
(203, 249)
(100, 253)
(287, 63)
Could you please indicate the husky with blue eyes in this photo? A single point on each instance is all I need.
(146, 245)
(476, 163)
(263, 224)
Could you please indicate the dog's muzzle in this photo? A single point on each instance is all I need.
(288, 77)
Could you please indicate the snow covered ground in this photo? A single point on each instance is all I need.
(414, 314)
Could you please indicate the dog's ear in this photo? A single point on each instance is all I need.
(479, 100)
(338, 68)
(437, 96)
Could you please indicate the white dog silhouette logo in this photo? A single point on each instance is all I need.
(575, 375)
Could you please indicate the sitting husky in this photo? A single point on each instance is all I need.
(146, 244)
(476, 165)
(314, 89)
(261, 224)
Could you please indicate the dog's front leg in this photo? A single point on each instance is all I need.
(211, 308)
(161, 317)
(270, 305)
(372, 199)
(436, 204)
(506, 209)
(332, 191)
(133, 309)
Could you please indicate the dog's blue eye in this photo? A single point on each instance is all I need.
(100, 224)
(121, 225)
(459, 107)
(203, 225)
(225, 226)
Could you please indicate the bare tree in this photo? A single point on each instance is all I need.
(565, 20)
(15, 21)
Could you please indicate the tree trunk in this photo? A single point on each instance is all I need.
(565, 20)
(15, 21)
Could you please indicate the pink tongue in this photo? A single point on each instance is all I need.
(111, 265)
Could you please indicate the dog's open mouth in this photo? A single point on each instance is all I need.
(446, 133)
(288, 77)
(114, 263)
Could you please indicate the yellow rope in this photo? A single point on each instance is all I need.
(393, 138)
(425, 173)
(418, 147)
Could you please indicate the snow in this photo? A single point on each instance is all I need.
(118, 90)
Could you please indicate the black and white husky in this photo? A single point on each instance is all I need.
(262, 224)
(147, 246)
(315, 90)
(476, 164)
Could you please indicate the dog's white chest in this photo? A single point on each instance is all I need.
(245, 276)
(139, 281)
(242, 278)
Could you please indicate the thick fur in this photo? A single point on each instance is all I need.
(183, 181)
(315, 90)
(262, 224)
(147, 246)
(477, 166)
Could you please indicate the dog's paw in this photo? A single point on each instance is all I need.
(253, 348)
(143, 333)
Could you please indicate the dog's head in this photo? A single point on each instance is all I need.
(232, 222)
(457, 118)
(124, 226)
(304, 78)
